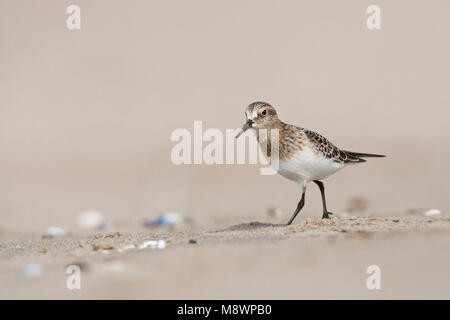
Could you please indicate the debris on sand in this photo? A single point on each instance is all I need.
(92, 219)
(274, 212)
(166, 219)
(32, 270)
(54, 232)
(96, 247)
(107, 235)
(432, 212)
(153, 244)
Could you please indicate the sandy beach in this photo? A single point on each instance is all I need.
(316, 259)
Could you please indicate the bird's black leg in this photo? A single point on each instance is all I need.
(300, 205)
(324, 203)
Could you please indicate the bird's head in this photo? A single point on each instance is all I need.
(259, 115)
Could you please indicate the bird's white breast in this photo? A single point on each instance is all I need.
(308, 165)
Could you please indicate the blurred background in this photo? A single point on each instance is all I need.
(86, 115)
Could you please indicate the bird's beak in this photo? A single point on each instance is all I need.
(245, 127)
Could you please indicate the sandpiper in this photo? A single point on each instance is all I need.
(304, 155)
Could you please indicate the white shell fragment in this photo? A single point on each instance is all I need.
(91, 219)
(153, 244)
(127, 248)
(54, 232)
(432, 212)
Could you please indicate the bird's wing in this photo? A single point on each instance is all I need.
(330, 151)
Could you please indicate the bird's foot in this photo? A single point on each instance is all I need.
(326, 215)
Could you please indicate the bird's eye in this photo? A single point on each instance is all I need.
(264, 112)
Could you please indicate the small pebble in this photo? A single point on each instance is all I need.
(273, 212)
(358, 204)
(166, 219)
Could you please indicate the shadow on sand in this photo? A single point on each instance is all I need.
(251, 226)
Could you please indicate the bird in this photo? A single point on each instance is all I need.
(304, 155)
